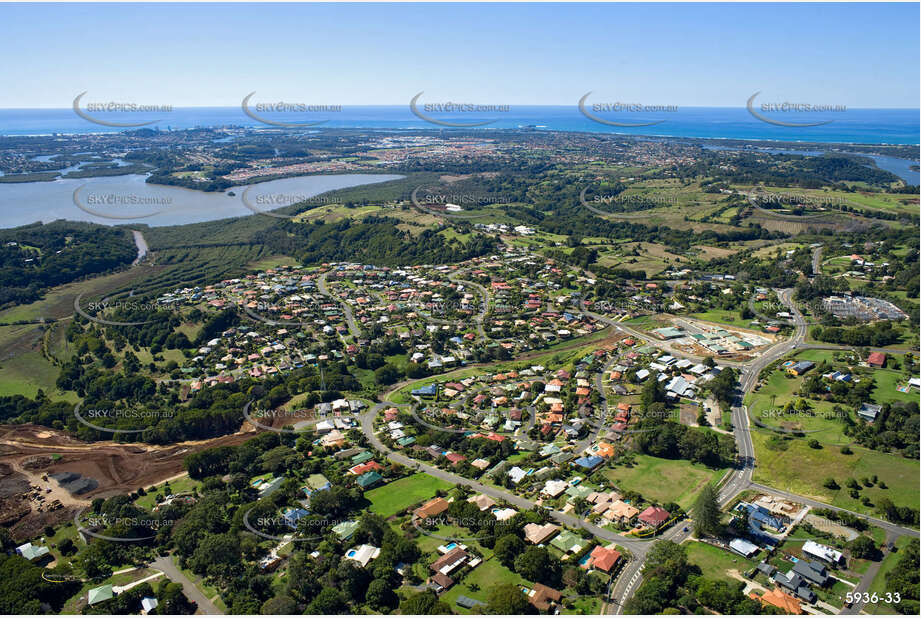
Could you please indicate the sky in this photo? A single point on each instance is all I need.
(858, 55)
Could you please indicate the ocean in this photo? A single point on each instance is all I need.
(853, 126)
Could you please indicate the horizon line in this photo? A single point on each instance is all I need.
(237, 106)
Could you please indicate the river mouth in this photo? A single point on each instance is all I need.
(125, 200)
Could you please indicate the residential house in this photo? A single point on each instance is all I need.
(823, 552)
(812, 571)
(621, 512)
(654, 516)
(99, 594)
(450, 561)
(33, 553)
(432, 508)
(482, 501)
(602, 558)
(800, 367)
(363, 554)
(544, 597)
(869, 411)
(780, 599)
(537, 534)
(369, 479)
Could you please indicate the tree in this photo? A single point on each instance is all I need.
(387, 374)
(831, 483)
(904, 579)
(863, 547)
(380, 595)
(706, 512)
(282, 605)
(216, 555)
(425, 603)
(507, 548)
(329, 601)
(653, 392)
(508, 599)
(538, 565)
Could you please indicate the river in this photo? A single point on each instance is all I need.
(129, 199)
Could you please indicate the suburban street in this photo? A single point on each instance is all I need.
(736, 481)
(349, 316)
(205, 606)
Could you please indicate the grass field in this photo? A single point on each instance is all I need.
(396, 496)
(715, 562)
(801, 469)
(23, 369)
(722, 316)
(664, 480)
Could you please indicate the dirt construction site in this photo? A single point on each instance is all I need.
(32, 457)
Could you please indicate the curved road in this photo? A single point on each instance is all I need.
(349, 317)
(737, 481)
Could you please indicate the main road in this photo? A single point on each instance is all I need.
(740, 479)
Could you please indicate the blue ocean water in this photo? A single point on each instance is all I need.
(854, 126)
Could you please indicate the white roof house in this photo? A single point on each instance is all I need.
(516, 474)
(822, 552)
(363, 554)
(554, 488)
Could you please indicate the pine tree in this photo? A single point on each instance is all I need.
(706, 512)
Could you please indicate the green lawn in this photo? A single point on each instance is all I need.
(177, 486)
(396, 496)
(476, 583)
(664, 480)
(714, 562)
(722, 316)
(802, 470)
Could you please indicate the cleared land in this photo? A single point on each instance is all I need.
(664, 480)
(398, 495)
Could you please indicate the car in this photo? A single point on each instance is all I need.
(685, 529)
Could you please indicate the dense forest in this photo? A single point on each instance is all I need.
(36, 257)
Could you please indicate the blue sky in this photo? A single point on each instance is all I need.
(859, 55)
